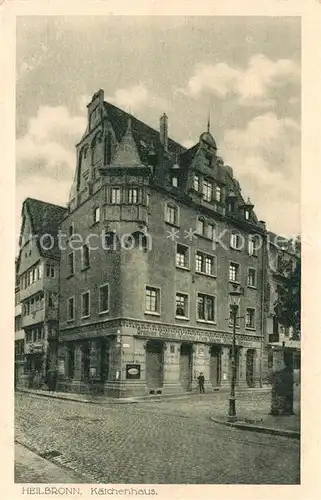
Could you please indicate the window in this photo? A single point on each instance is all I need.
(71, 229)
(96, 214)
(199, 262)
(218, 193)
(71, 308)
(236, 241)
(250, 318)
(104, 298)
(85, 256)
(147, 199)
(254, 245)
(231, 206)
(207, 191)
(234, 271)
(171, 214)
(251, 277)
(50, 271)
(71, 263)
(85, 304)
(182, 256)
(208, 265)
(132, 196)
(175, 181)
(247, 214)
(152, 302)
(205, 263)
(181, 305)
(52, 299)
(205, 307)
(211, 231)
(200, 229)
(196, 184)
(115, 195)
(172, 349)
(39, 271)
(276, 325)
(237, 320)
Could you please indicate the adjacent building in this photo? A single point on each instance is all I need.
(38, 282)
(156, 235)
(18, 333)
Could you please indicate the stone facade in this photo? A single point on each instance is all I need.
(179, 234)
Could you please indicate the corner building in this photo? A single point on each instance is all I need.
(163, 233)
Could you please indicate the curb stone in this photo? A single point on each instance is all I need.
(258, 428)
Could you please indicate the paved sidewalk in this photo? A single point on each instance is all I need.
(99, 399)
(283, 425)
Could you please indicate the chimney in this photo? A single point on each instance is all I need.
(163, 130)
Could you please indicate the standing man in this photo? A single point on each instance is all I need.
(201, 381)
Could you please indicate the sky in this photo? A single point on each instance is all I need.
(244, 71)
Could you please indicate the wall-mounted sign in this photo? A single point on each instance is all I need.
(133, 371)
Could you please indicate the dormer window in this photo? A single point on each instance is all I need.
(207, 190)
(246, 214)
(175, 181)
(231, 206)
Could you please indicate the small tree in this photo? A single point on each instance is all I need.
(288, 305)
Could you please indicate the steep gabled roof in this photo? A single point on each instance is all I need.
(45, 219)
(144, 135)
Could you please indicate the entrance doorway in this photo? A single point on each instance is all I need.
(154, 364)
(250, 355)
(185, 367)
(215, 365)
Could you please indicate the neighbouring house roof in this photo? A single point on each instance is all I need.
(45, 218)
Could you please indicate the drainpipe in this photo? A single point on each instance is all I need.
(264, 264)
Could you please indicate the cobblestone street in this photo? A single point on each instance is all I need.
(165, 442)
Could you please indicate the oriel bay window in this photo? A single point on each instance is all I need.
(115, 196)
(152, 300)
(182, 259)
(181, 305)
(205, 307)
(133, 195)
